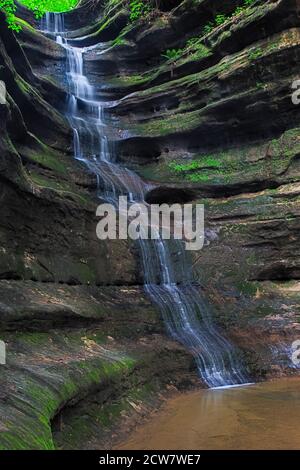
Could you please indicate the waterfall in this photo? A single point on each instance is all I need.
(184, 310)
(52, 23)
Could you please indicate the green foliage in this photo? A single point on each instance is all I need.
(182, 167)
(195, 47)
(198, 178)
(138, 9)
(173, 54)
(196, 171)
(253, 55)
(206, 162)
(39, 7)
(192, 43)
(42, 6)
(238, 10)
(9, 8)
(222, 18)
(118, 41)
(208, 27)
(260, 85)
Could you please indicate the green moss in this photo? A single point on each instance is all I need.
(33, 338)
(118, 41)
(22, 23)
(106, 22)
(40, 397)
(199, 53)
(243, 8)
(24, 86)
(172, 124)
(186, 120)
(206, 161)
(49, 183)
(193, 50)
(255, 54)
(85, 273)
(233, 166)
(61, 187)
(128, 80)
(101, 416)
(248, 288)
(198, 178)
(47, 158)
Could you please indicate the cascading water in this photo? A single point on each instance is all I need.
(52, 23)
(183, 308)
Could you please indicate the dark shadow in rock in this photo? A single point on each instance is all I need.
(139, 150)
(169, 195)
(279, 271)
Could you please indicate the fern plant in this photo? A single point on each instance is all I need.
(138, 9)
(172, 54)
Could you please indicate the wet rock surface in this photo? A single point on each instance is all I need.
(86, 349)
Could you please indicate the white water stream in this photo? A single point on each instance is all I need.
(186, 314)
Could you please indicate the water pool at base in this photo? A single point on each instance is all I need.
(259, 416)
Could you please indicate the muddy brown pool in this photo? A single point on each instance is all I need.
(260, 416)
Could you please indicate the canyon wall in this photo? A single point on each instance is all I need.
(213, 122)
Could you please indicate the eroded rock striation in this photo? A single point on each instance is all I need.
(216, 125)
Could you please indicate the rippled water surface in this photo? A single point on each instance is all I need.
(260, 416)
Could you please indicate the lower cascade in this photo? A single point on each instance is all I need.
(183, 307)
